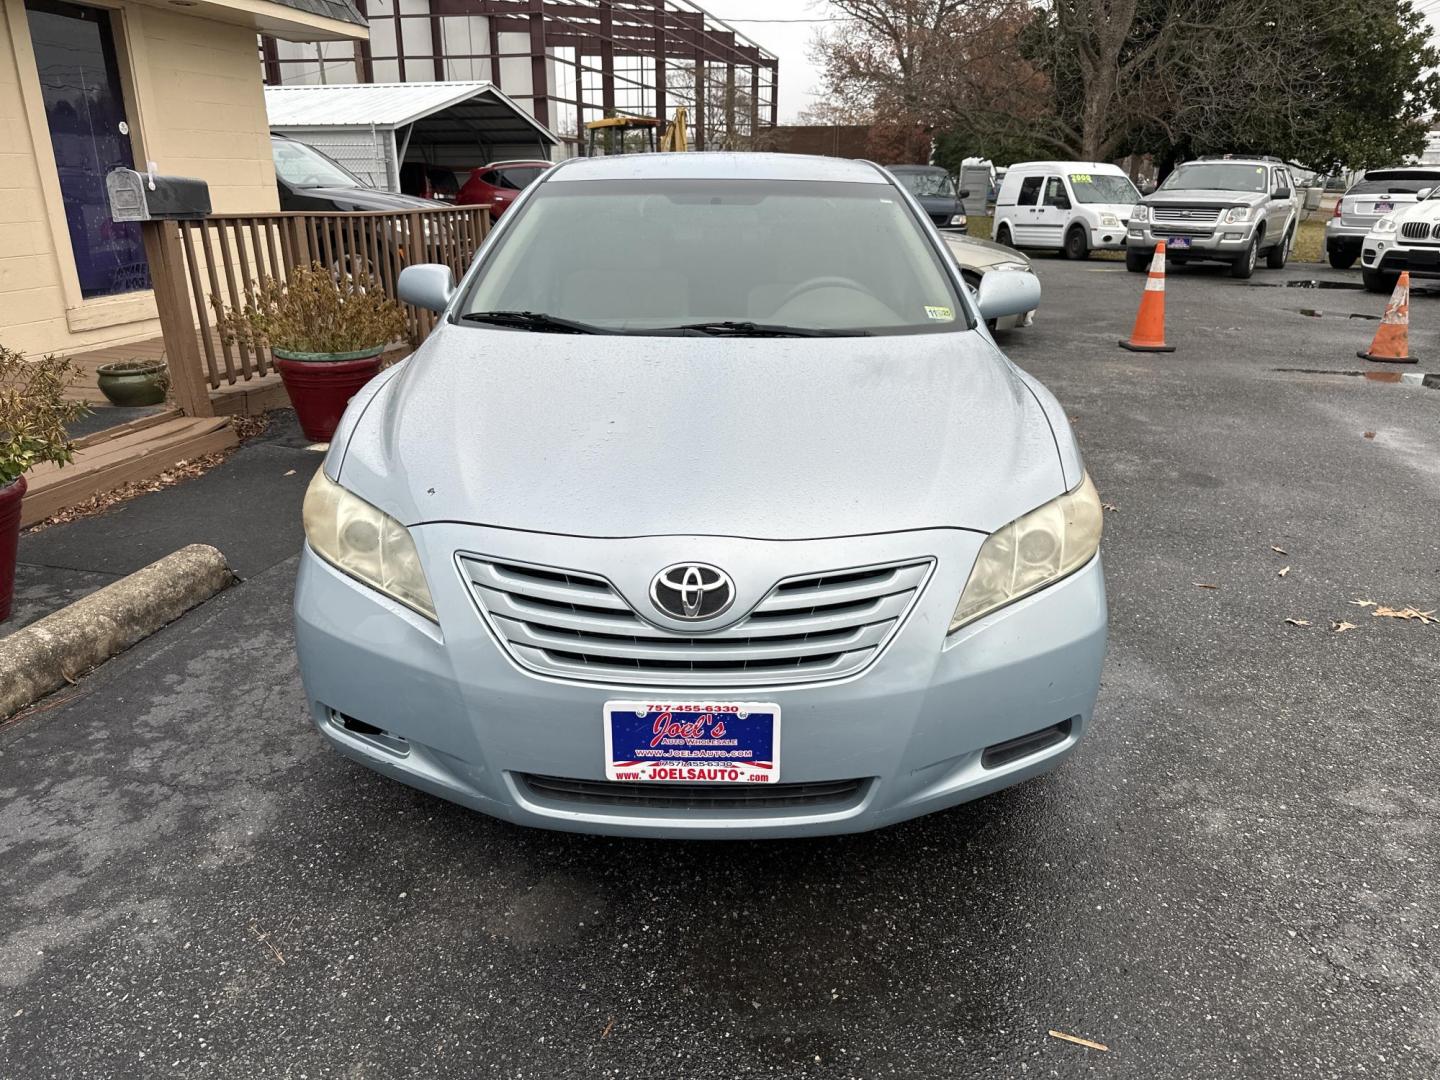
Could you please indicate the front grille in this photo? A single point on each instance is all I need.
(1180, 230)
(1195, 215)
(693, 796)
(577, 625)
(1415, 230)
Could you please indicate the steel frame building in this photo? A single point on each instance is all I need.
(567, 61)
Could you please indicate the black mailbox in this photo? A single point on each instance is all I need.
(136, 196)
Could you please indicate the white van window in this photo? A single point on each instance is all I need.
(1055, 193)
(1030, 190)
(1103, 188)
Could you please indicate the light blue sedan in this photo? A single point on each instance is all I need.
(709, 509)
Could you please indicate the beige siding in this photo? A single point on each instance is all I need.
(201, 112)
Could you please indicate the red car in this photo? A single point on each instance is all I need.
(499, 183)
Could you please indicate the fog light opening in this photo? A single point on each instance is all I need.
(1012, 750)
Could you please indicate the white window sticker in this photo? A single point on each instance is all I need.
(939, 314)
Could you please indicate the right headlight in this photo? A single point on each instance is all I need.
(1237, 214)
(1384, 225)
(1032, 552)
(1140, 213)
(366, 543)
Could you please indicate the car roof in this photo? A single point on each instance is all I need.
(1397, 172)
(716, 166)
(515, 161)
(918, 169)
(1062, 166)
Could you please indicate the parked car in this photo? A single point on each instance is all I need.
(977, 257)
(1377, 193)
(1222, 209)
(934, 189)
(708, 508)
(429, 181)
(500, 183)
(308, 180)
(1072, 207)
(1407, 239)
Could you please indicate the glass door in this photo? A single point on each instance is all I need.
(85, 110)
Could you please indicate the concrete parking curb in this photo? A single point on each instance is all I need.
(49, 653)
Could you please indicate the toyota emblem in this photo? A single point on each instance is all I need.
(692, 591)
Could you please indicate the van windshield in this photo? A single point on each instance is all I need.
(1100, 188)
(642, 255)
(924, 184)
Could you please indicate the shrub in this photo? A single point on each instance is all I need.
(34, 412)
(313, 312)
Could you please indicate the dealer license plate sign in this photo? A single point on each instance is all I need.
(1178, 242)
(692, 742)
(1384, 207)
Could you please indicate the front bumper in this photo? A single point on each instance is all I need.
(447, 710)
(1108, 237)
(1385, 256)
(1218, 242)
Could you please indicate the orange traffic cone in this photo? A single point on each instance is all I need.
(1392, 339)
(1149, 332)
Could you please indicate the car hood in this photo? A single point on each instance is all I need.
(358, 198)
(784, 438)
(1205, 197)
(980, 254)
(1429, 210)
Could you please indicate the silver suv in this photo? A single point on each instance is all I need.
(1228, 209)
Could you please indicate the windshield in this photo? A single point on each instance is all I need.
(923, 184)
(645, 255)
(1217, 176)
(302, 166)
(1099, 188)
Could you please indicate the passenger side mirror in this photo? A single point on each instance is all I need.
(965, 193)
(1423, 194)
(426, 285)
(1007, 292)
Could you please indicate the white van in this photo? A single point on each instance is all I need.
(1072, 207)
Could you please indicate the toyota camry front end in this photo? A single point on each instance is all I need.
(710, 508)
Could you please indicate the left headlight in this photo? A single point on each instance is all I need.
(1385, 225)
(366, 543)
(1237, 214)
(957, 219)
(1032, 552)
(1109, 221)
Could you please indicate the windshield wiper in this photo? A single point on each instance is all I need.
(732, 328)
(536, 321)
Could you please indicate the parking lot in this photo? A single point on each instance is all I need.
(1236, 875)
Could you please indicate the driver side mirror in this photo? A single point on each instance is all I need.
(1007, 292)
(1280, 193)
(1423, 194)
(964, 193)
(426, 285)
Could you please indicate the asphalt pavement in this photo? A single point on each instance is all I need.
(1236, 874)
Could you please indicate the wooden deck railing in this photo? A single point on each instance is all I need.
(225, 256)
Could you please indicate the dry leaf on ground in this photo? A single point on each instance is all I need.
(1363, 603)
(1278, 550)
(1341, 626)
(1407, 613)
(1204, 585)
(1077, 1040)
(1283, 571)
(1297, 622)
(1369, 434)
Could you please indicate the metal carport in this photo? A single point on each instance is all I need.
(373, 128)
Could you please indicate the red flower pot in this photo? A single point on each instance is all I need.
(10, 496)
(321, 388)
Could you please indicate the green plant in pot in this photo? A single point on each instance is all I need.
(33, 415)
(326, 334)
(132, 383)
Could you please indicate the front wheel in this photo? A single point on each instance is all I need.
(1342, 259)
(1003, 236)
(1377, 281)
(1076, 245)
(1137, 262)
(1280, 253)
(1244, 266)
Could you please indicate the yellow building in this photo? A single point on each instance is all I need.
(84, 89)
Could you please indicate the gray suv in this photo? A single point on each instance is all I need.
(1218, 209)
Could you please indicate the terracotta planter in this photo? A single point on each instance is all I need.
(130, 384)
(10, 496)
(320, 385)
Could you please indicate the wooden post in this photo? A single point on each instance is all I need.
(177, 320)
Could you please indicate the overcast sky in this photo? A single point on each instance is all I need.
(789, 40)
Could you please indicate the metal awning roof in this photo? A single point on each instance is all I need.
(443, 112)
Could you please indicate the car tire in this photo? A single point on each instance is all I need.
(1378, 281)
(1343, 260)
(1280, 253)
(1002, 236)
(1137, 262)
(1076, 246)
(1244, 266)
